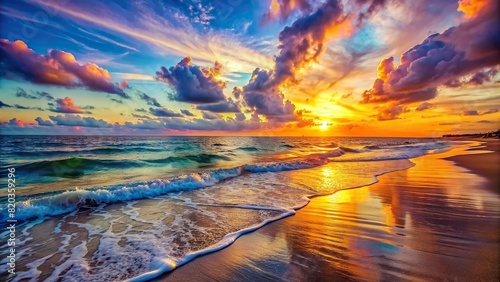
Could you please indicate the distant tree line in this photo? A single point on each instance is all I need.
(493, 134)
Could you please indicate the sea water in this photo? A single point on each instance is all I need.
(107, 208)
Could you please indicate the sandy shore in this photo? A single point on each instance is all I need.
(486, 165)
(436, 221)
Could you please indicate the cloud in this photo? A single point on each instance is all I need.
(240, 117)
(21, 107)
(207, 115)
(16, 122)
(141, 116)
(300, 44)
(304, 40)
(149, 100)
(477, 113)
(471, 113)
(228, 106)
(211, 125)
(187, 113)
(490, 111)
(146, 124)
(237, 92)
(161, 112)
(45, 95)
(442, 58)
(57, 68)
(42, 122)
(76, 120)
(3, 105)
(283, 9)
(391, 112)
(67, 105)
(20, 93)
(449, 123)
(481, 77)
(141, 110)
(424, 106)
(266, 100)
(117, 101)
(193, 84)
(484, 121)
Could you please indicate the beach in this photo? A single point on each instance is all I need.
(436, 221)
(255, 209)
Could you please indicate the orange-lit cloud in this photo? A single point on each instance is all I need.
(67, 105)
(471, 7)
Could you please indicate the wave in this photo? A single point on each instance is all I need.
(69, 201)
(248, 149)
(199, 158)
(351, 150)
(97, 151)
(72, 200)
(313, 160)
(73, 167)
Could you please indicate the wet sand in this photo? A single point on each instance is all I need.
(485, 165)
(436, 221)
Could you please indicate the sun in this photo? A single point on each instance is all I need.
(323, 126)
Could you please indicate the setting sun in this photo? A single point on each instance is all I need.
(323, 126)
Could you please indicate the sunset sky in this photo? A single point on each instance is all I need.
(235, 67)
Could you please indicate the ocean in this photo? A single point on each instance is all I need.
(107, 208)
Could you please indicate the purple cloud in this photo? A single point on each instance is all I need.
(207, 115)
(57, 68)
(187, 113)
(193, 84)
(76, 120)
(228, 106)
(161, 112)
(42, 122)
(441, 59)
(149, 100)
(424, 106)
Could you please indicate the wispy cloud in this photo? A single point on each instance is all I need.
(177, 38)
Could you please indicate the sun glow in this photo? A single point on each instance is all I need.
(323, 126)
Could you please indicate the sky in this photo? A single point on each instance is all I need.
(245, 67)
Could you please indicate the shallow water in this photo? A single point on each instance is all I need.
(432, 222)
